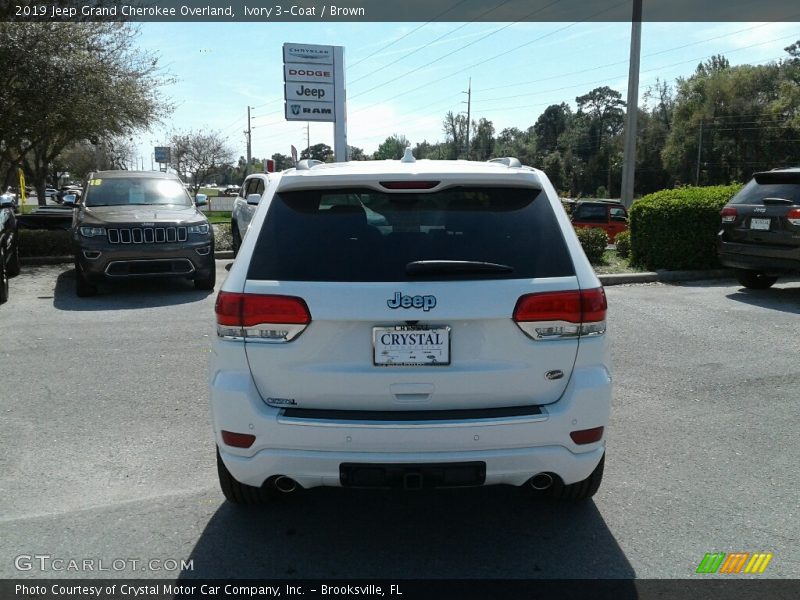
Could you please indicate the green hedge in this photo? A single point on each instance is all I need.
(677, 229)
(623, 243)
(39, 242)
(594, 241)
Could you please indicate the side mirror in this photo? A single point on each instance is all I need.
(201, 199)
(253, 198)
(70, 200)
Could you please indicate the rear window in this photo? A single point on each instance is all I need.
(366, 235)
(769, 185)
(592, 213)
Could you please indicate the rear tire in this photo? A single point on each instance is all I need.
(3, 278)
(581, 490)
(755, 280)
(236, 239)
(13, 263)
(240, 493)
(83, 287)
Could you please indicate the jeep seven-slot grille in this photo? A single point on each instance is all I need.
(147, 235)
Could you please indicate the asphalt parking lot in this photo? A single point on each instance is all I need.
(106, 450)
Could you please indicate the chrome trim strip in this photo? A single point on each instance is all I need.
(410, 424)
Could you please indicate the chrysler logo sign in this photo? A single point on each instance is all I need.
(308, 54)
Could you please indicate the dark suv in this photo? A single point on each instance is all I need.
(9, 246)
(760, 233)
(140, 224)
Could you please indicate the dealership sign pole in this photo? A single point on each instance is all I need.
(314, 89)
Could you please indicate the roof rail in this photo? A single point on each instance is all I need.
(307, 163)
(508, 161)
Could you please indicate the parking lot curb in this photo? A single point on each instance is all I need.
(58, 260)
(664, 276)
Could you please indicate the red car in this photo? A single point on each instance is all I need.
(608, 215)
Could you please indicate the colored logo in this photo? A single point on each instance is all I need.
(734, 562)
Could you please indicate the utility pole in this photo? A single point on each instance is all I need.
(699, 154)
(248, 135)
(629, 160)
(469, 106)
(308, 139)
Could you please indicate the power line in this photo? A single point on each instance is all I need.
(658, 68)
(402, 37)
(498, 30)
(405, 56)
(497, 55)
(621, 62)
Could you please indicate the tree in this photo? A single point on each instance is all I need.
(282, 162)
(604, 107)
(67, 82)
(519, 144)
(429, 151)
(321, 152)
(196, 155)
(737, 120)
(394, 147)
(455, 134)
(550, 125)
(482, 144)
(354, 153)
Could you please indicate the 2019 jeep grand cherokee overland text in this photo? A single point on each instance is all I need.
(140, 224)
(417, 324)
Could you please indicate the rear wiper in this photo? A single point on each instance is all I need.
(454, 267)
(777, 201)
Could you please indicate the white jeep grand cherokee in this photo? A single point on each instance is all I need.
(410, 324)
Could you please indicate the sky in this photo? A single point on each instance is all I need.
(402, 78)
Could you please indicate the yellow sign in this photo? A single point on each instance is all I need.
(21, 186)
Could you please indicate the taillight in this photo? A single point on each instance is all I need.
(556, 315)
(261, 317)
(728, 214)
(793, 216)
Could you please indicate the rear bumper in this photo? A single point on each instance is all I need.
(310, 451)
(767, 259)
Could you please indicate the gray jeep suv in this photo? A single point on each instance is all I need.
(139, 224)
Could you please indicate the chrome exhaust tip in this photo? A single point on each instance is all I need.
(541, 481)
(284, 484)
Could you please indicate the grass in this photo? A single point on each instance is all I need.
(613, 263)
(219, 216)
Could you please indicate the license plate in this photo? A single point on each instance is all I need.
(411, 345)
(762, 224)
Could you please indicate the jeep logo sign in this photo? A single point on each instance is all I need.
(424, 302)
